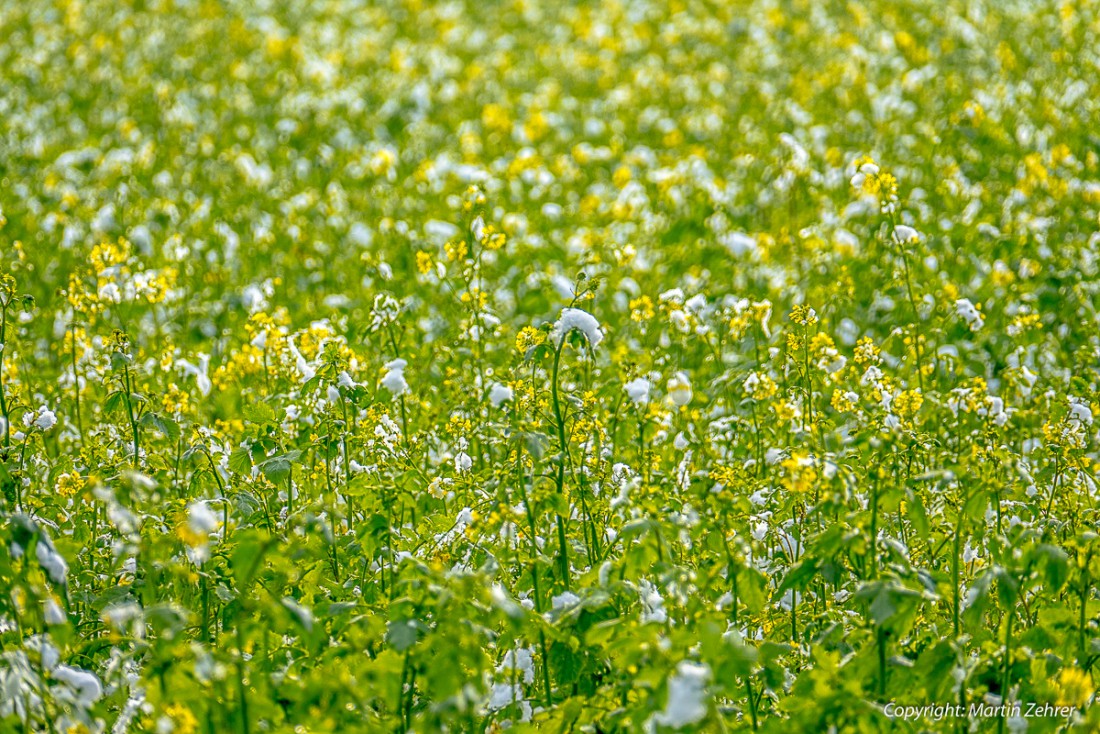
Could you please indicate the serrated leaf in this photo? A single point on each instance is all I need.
(259, 413)
(162, 423)
(113, 402)
(240, 461)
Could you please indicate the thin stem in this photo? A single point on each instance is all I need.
(76, 384)
(1007, 669)
(563, 548)
(752, 700)
(242, 694)
(130, 413)
(3, 390)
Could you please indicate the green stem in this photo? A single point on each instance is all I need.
(881, 644)
(242, 694)
(3, 389)
(221, 491)
(521, 484)
(955, 564)
(752, 700)
(563, 548)
(332, 515)
(1007, 670)
(130, 413)
(1085, 585)
(76, 386)
(874, 530)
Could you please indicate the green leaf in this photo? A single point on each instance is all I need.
(240, 461)
(882, 607)
(799, 576)
(300, 614)
(559, 504)
(978, 597)
(246, 559)
(359, 486)
(277, 469)
(975, 506)
(751, 585)
(259, 413)
(114, 402)
(1053, 566)
(162, 423)
(917, 514)
(402, 634)
(1008, 589)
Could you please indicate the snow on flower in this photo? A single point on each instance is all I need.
(969, 313)
(687, 695)
(394, 377)
(679, 389)
(85, 685)
(499, 394)
(638, 390)
(51, 561)
(575, 318)
(43, 419)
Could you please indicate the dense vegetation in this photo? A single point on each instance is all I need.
(572, 367)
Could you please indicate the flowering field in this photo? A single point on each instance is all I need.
(535, 366)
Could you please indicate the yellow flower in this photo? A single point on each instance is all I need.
(423, 262)
(492, 238)
(70, 483)
(843, 401)
(184, 722)
(7, 287)
(495, 118)
(536, 126)
(760, 386)
(804, 315)
(109, 254)
(175, 400)
(456, 250)
(799, 472)
(724, 475)
(866, 351)
(1074, 687)
(907, 403)
(784, 411)
(528, 337)
(821, 342)
(641, 309)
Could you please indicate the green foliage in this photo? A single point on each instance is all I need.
(548, 366)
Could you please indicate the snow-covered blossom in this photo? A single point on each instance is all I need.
(638, 390)
(679, 389)
(199, 372)
(201, 520)
(969, 313)
(394, 377)
(687, 695)
(653, 604)
(43, 419)
(1080, 412)
(51, 561)
(905, 234)
(84, 684)
(575, 318)
(499, 393)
